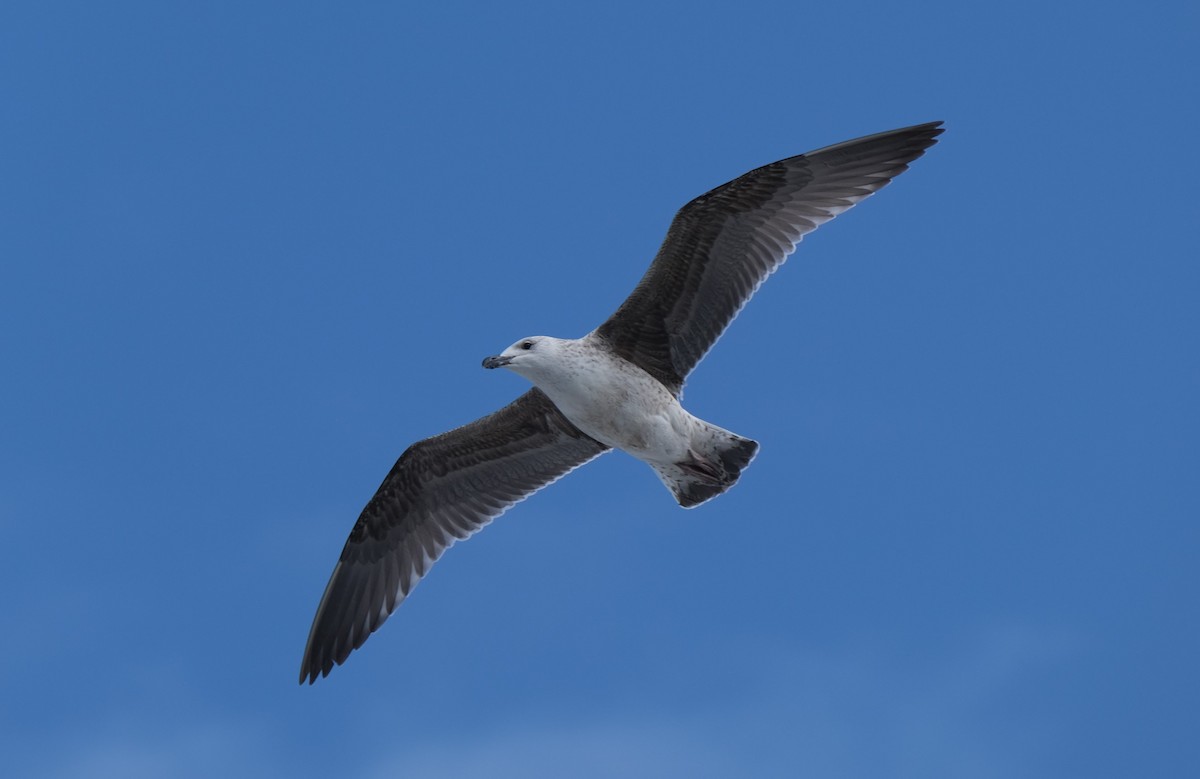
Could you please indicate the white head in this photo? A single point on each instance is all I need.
(536, 358)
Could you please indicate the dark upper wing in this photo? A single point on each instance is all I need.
(441, 490)
(723, 245)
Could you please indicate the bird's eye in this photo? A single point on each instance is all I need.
(527, 345)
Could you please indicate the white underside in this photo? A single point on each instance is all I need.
(618, 404)
(624, 407)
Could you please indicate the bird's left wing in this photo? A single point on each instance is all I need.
(441, 490)
(724, 244)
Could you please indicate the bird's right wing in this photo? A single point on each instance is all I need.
(441, 490)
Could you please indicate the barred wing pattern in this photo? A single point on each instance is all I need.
(723, 245)
(718, 251)
(441, 490)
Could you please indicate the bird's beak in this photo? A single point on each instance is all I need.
(499, 361)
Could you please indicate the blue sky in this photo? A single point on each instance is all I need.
(249, 252)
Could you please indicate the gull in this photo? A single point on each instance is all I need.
(618, 387)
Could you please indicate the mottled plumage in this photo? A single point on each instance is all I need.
(719, 249)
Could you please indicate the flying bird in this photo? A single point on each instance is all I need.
(618, 387)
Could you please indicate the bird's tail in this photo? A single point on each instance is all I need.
(713, 465)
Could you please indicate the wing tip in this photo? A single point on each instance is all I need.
(310, 671)
(914, 138)
(317, 662)
(925, 134)
(921, 135)
(929, 130)
(888, 153)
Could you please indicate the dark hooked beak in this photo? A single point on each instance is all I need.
(499, 361)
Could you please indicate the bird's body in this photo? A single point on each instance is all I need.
(622, 406)
(609, 398)
(617, 387)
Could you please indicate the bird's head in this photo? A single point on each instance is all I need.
(530, 357)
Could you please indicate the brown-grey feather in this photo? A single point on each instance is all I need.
(441, 490)
(719, 248)
(722, 245)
